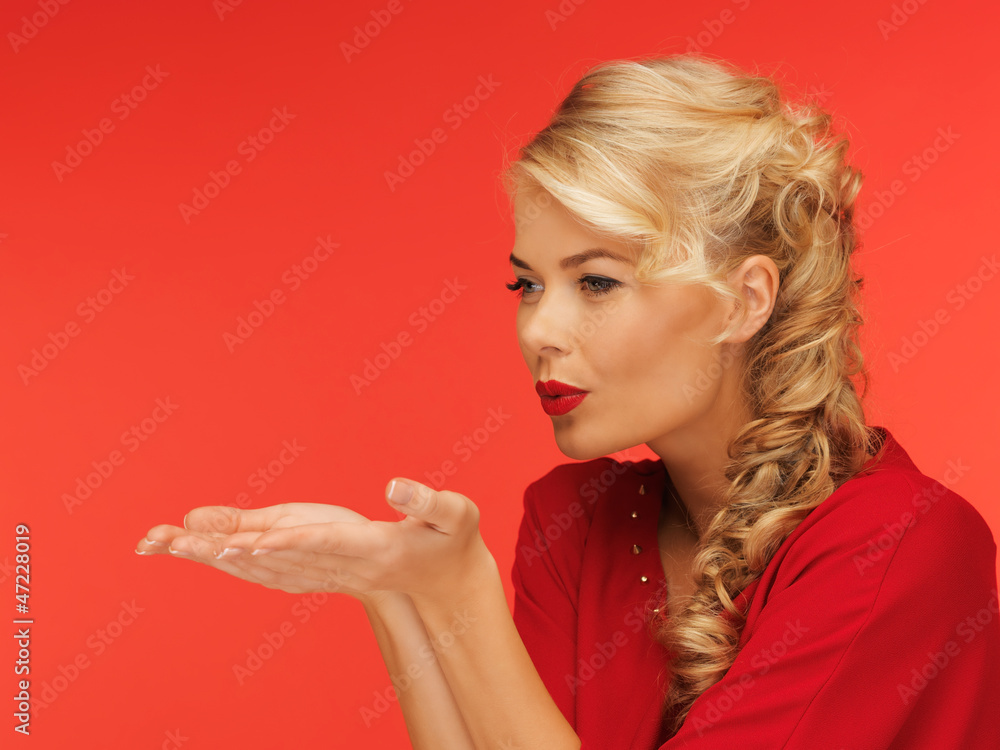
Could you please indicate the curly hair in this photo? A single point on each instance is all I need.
(703, 165)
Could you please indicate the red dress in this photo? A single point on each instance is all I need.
(874, 626)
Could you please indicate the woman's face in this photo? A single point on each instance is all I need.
(638, 350)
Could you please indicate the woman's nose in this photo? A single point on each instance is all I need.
(547, 324)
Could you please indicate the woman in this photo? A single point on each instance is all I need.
(682, 258)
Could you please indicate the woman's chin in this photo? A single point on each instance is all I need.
(584, 450)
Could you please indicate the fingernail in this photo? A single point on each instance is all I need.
(142, 552)
(402, 494)
(147, 540)
(184, 523)
(229, 552)
(179, 553)
(261, 551)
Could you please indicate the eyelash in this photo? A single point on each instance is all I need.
(518, 286)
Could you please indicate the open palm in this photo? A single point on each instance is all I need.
(307, 547)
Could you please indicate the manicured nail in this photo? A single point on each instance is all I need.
(141, 552)
(179, 553)
(147, 540)
(229, 552)
(402, 495)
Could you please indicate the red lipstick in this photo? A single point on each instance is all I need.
(558, 398)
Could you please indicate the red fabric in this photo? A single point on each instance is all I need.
(874, 626)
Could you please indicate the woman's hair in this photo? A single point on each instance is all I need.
(702, 165)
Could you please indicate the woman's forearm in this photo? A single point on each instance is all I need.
(432, 716)
(499, 692)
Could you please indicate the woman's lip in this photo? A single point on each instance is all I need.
(555, 388)
(556, 406)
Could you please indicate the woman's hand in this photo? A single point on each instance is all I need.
(306, 547)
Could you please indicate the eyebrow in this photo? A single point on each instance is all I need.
(575, 260)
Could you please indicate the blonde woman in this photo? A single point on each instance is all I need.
(783, 576)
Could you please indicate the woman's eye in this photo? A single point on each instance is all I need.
(520, 286)
(608, 284)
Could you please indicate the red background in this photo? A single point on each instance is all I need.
(892, 87)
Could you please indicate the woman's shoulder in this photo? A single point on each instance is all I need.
(890, 542)
(891, 512)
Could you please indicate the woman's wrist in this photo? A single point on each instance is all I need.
(465, 586)
(381, 601)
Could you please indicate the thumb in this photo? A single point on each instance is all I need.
(399, 492)
(437, 509)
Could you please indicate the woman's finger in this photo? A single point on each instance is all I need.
(330, 571)
(291, 570)
(159, 538)
(196, 546)
(225, 519)
(200, 547)
(349, 539)
(231, 545)
(443, 510)
(308, 579)
(296, 581)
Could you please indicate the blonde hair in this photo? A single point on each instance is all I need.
(702, 165)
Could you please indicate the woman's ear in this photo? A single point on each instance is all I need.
(756, 282)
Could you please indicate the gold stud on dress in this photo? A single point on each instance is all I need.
(636, 549)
